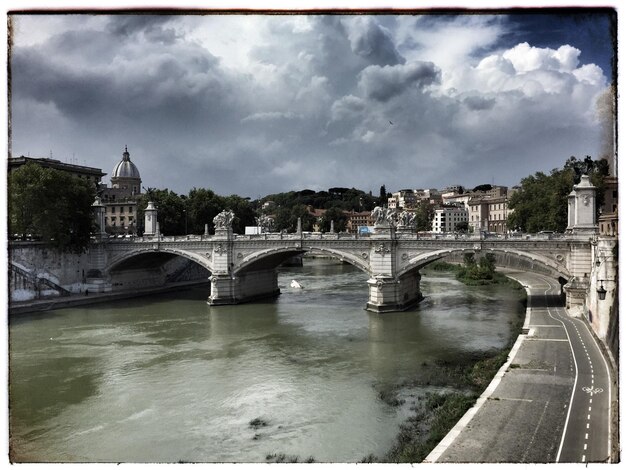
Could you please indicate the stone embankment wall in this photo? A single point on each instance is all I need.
(37, 271)
(603, 314)
(504, 260)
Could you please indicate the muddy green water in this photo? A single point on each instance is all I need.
(167, 378)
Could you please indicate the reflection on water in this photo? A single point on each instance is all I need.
(167, 378)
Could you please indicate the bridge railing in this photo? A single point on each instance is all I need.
(401, 235)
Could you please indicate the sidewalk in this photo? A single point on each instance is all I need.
(75, 300)
(520, 416)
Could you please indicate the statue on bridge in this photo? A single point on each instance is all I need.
(266, 223)
(406, 219)
(384, 217)
(224, 220)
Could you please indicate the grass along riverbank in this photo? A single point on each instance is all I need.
(435, 414)
(458, 385)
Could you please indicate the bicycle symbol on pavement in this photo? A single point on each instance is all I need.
(592, 391)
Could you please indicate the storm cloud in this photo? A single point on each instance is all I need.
(257, 104)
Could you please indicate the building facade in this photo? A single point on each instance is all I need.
(358, 219)
(498, 214)
(121, 199)
(446, 219)
(93, 175)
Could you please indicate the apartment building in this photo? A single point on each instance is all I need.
(358, 219)
(403, 199)
(446, 219)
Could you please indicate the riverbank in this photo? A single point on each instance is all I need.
(436, 414)
(44, 305)
(524, 415)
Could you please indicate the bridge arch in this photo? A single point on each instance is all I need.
(273, 257)
(423, 259)
(123, 258)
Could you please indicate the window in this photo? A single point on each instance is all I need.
(121, 209)
(113, 210)
(113, 220)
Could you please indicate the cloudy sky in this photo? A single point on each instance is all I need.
(258, 104)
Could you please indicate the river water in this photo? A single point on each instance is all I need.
(167, 378)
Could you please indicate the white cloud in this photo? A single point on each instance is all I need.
(256, 104)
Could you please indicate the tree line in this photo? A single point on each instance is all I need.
(541, 202)
(56, 207)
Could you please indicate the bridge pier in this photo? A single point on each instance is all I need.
(227, 289)
(388, 294)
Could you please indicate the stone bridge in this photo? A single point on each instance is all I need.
(243, 267)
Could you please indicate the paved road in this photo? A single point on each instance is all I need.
(550, 403)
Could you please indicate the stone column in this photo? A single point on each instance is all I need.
(571, 210)
(389, 294)
(98, 209)
(223, 281)
(584, 207)
(387, 291)
(150, 216)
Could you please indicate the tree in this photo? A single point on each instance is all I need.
(482, 271)
(287, 218)
(462, 227)
(482, 187)
(51, 204)
(202, 206)
(541, 202)
(424, 214)
(243, 210)
(171, 210)
(337, 216)
(382, 198)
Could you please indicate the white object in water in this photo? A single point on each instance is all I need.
(295, 284)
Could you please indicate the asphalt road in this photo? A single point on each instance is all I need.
(550, 403)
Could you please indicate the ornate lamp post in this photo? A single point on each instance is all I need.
(601, 290)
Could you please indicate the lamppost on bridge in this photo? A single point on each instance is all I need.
(601, 290)
(185, 211)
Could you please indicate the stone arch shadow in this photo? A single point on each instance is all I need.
(274, 257)
(516, 259)
(156, 268)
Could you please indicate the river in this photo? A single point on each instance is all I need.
(167, 378)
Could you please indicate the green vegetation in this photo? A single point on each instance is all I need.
(474, 273)
(424, 430)
(52, 206)
(436, 413)
(257, 423)
(477, 273)
(541, 202)
(180, 214)
(283, 458)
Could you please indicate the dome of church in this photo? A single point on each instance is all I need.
(125, 168)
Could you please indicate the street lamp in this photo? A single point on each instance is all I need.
(601, 291)
(185, 211)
